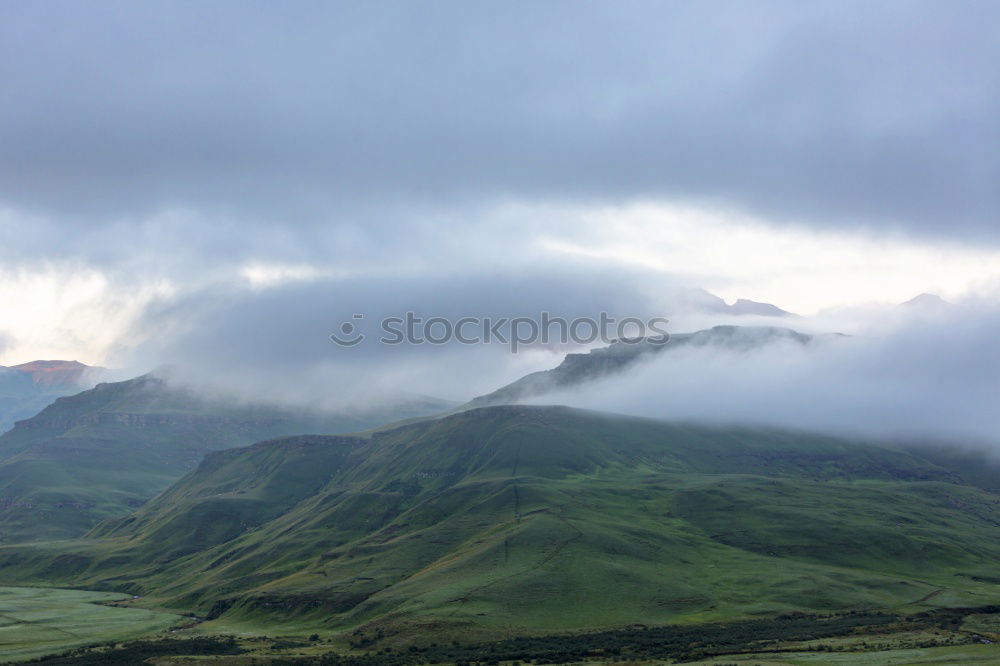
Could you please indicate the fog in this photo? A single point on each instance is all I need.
(274, 343)
(926, 370)
(909, 375)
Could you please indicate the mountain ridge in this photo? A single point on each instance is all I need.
(107, 450)
(529, 517)
(577, 369)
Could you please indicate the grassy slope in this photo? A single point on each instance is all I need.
(527, 519)
(104, 452)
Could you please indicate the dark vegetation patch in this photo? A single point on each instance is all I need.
(676, 643)
(136, 652)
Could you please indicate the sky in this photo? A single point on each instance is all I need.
(221, 184)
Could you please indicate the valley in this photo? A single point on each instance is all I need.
(36, 621)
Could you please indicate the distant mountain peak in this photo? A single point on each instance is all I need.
(709, 302)
(927, 300)
(56, 373)
(745, 306)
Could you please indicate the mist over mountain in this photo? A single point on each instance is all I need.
(577, 370)
(915, 375)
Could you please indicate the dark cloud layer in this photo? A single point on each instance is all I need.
(290, 114)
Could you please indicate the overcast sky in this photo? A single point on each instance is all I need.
(177, 177)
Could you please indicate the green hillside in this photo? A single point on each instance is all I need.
(527, 520)
(106, 451)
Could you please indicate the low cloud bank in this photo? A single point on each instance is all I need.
(274, 344)
(903, 371)
(927, 375)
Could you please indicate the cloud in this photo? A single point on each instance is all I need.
(222, 184)
(662, 252)
(68, 312)
(903, 372)
(801, 269)
(927, 375)
(274, 342)
(257, 117)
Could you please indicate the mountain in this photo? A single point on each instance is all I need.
(695, 301)
(928, 302)
(58, 373)
(578, 369)
(105, 451)
(744, 306)
(27, 388)
(518, 520)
